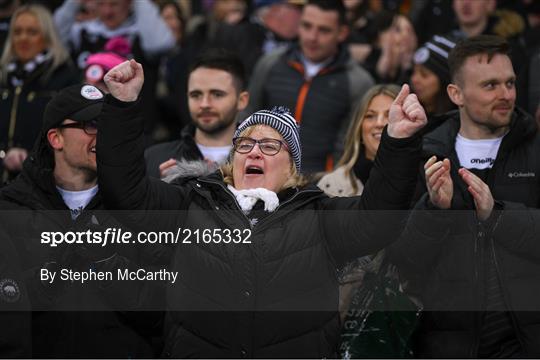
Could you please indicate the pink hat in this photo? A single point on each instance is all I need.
(98, 64)
(117, 50)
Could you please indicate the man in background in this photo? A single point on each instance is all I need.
(216, 94)
(315, 78)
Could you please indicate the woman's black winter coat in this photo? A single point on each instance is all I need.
(278, 295)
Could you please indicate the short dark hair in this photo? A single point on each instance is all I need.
(222, 59)
(476, 45)
(331, 5)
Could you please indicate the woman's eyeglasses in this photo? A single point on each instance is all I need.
(271, 147)
(89, 127)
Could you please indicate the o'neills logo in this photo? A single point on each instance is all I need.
(489, 161)
(9, 290)
(519, 174)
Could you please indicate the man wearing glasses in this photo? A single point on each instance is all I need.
(61, 174)
(70, 128)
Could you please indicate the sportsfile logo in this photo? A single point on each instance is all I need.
(519, 174)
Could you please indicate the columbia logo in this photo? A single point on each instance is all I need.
(521, 175)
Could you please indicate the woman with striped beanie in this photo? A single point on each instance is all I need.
(262, 282)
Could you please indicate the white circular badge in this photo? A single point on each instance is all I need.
(91, 92)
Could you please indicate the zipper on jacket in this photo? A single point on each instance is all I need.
(13, 116)
(501, 284)
(301, 100)
(304, 89)
(478, 266)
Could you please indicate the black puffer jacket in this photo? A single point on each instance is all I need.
(26, 205)
(442, 254)
(278, 295)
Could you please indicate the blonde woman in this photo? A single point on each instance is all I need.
(34, 65)
(361, 143)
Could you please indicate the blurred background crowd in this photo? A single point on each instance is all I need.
(48, 45)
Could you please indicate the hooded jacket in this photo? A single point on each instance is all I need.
(276, 296)
(442, 254)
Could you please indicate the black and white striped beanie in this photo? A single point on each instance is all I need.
(281, 120)
(434, 55)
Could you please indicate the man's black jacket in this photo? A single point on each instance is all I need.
(441, 253)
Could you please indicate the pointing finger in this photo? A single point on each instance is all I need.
(403, 93)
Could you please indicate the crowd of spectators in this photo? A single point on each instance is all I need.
(374, 42)
(337, 66)
(393, 41)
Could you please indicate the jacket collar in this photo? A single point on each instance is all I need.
(298, 195)
(443, 129)
(187, 141)
(188, 132)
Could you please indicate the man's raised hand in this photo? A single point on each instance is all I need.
(406, 116)
(125, 80)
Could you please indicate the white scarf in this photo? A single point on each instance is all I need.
(247, 198)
